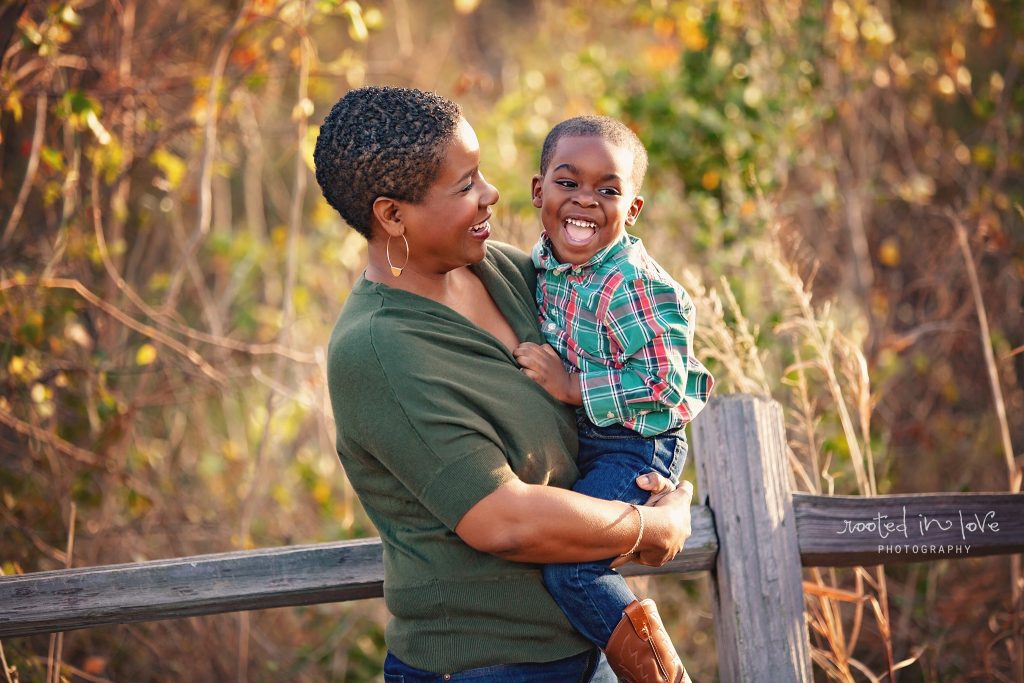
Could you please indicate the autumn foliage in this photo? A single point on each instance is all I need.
(840, 186)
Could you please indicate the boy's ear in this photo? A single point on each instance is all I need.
(388, 214)
(634, 210)
(535, 188)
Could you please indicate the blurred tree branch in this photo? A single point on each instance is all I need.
(9, 14)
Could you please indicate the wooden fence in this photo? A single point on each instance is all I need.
(750, 531)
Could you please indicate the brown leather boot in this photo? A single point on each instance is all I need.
(640, 650)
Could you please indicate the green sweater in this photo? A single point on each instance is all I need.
(433, 414)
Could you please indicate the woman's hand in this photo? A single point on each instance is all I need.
(542, 364)
(666, 524)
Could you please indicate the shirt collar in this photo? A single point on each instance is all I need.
(544, 255)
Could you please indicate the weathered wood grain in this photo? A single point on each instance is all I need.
(70, 599)
(76, 598)
(351, 570)
(743, 474)
(840, 531)
(765, 535)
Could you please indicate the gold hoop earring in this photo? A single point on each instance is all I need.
(396, 270)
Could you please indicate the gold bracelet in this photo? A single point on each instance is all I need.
(640, 535)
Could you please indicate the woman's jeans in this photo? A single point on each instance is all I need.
(588, 667)
(591, 594)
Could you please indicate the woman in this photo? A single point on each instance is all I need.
(461, 461)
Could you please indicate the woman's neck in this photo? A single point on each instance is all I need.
(442, 286)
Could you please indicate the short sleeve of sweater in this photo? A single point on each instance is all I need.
(392, 404)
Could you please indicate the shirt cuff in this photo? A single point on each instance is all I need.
(640, 397)
(602, 396)
(614, 396)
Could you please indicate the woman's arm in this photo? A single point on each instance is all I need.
(544, 524)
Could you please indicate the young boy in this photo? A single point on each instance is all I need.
(620, 348)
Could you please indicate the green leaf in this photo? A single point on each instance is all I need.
(77, 102)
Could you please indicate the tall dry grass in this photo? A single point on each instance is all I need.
(816, 369)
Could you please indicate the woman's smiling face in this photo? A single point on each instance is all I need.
(586, 197)
(450, 226)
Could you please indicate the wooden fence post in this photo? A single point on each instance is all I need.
(745, 479)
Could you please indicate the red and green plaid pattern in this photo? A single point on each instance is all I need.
(623, 323)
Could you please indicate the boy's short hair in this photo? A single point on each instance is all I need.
(604, 127)
(382, 142)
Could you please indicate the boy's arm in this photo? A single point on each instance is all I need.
(652, 326)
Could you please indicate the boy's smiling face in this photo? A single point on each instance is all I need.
(586, 196)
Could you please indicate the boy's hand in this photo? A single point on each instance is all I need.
(543, 365)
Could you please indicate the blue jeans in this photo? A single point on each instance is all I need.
(587, 667)
(591, 594)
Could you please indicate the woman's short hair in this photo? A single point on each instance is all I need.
(382, 142)
(604, 127)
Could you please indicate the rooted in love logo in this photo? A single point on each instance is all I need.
(890, 528)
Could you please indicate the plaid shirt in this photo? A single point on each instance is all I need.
(626, 326)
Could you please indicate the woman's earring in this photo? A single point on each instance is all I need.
(396, 270)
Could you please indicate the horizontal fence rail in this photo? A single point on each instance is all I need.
(68, 599)
(831, 531)
(843, 531)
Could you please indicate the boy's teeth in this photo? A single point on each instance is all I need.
(579, 231)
